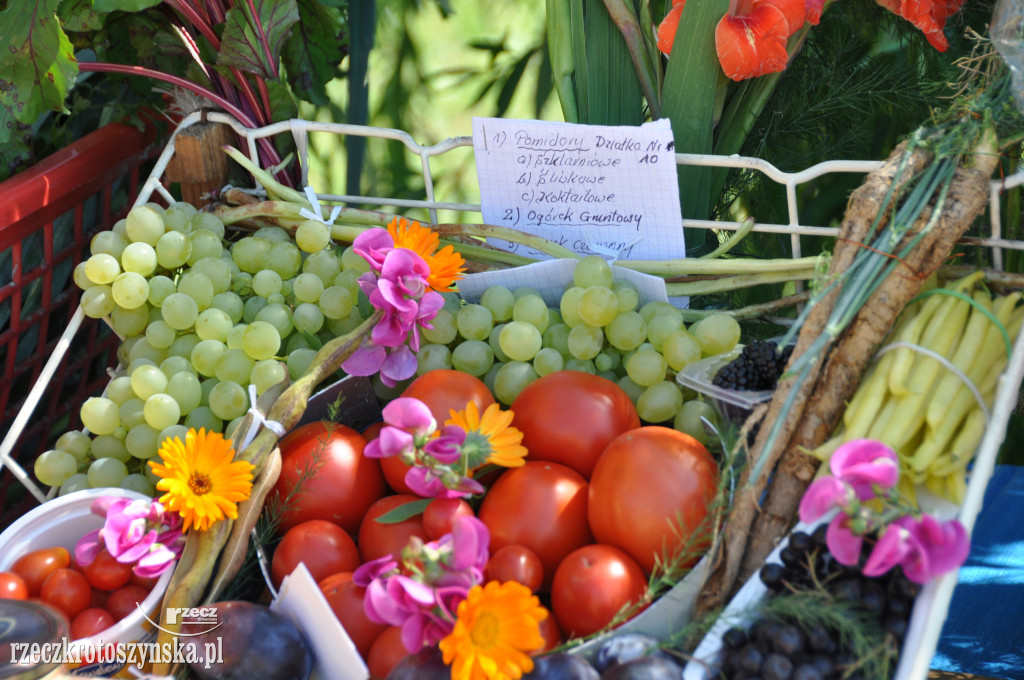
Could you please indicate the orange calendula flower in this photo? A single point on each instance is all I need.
(497, 627)
(490, 438)
(445, 264)
(202, 482)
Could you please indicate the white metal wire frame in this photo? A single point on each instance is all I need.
(925, 626)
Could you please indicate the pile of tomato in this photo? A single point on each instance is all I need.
(600, 499)
(93, 597)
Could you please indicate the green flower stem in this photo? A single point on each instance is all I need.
(531, 241)
(735, 282)
(745, 228)
(693, 266)
(273, 187)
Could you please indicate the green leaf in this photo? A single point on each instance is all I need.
(511, 84)
(123, 5)
(314, 51)
(80, 16)
(560, 52)
(241, 46)
(405, 511)
(15, 144)
(313, 341)
(613, 94)
(37, 63)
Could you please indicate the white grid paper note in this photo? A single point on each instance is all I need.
(609, 190)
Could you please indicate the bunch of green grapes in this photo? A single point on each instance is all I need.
(201, 319)
(510, 338)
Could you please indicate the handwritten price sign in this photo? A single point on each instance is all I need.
(591, 188)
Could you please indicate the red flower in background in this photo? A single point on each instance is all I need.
(928, 15)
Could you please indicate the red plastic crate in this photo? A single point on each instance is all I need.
(48, 215)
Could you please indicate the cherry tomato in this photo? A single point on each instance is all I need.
(386, 652)
(542, 506)
(515, 563)
(444, 390)
(142, 581)
(551, 633)
(125, 600)
(106, 573)
(12, 586)
(324, 547)
(377, 539)
(545, 406)
(644, 481)
(89, 622)
(324, 475)
(346, 601)
(34, 567)
(98, 599)
(592, 585)
(440, 513)
(66, 590)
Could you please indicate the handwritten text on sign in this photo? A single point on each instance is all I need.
(590, 188)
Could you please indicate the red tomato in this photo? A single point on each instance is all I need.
(324, 547)
(346, 601)
(515, 563)
(12, 586)
(377, 539)
(386, 652)
(371, 432)
(644, 480)
(551, 633)
(124, 601)
(106, 573)
(89, 622)
(444, 390)
(66, 590)
(592, 585)
(34, 567)
(601, 409)
(439, 515)
(343, 483)
(542, 506)
(394, 472)
(142, 581)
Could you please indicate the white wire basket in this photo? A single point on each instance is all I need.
(932, 605)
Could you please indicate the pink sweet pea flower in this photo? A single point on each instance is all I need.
(429, 483)
(469, 545)
(864, 463)
(392, 441)
(894, 546)
(399, 365)
(844, 545)
(822, 495)
(942, 547)
(446, 448)
(411, 415)
(373, 245)
(136, 532)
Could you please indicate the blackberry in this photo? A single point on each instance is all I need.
(757, 368)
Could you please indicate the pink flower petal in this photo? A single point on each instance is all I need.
(366, 360)
(946, 543)
(842, 543)
(409, 414)
(470, 540)
(890, 550)
(87, 548)
(821, 496)
(399, 365)
(863, 463)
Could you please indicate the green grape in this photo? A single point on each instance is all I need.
(336, 302)
(266, 282)
(324, 263)
(109, 242)
(646, 367)
(206, 385)
(208, 222)
(525, 290)
(139, 258)
(680, 349)
(98, 301)
(432, 356)
(129, 322)
(202, 418)
(349, 280)
(511, 379)
(197, 287)
(53, 468)
(79, 276)
(105, 472)
(121, 228)
(252, 307)
(102, 268)
(308, 318)
(568, 306)
(75, 442)
(178, 219)
(494, 340)
(234, 339)
(228, 400)
(179, 311)
(312, 236)
(173, 365)
(353, 261)
(627, 331)
(205, 243)
(285, 258)
(261, 340)
(272, 234)
(717, 334)
(119, 390)
(173, 249)
(661, 326)
(217, 270)
(267, 373)
(307, 287)
(131, 413)
(474, 322)
(241, 283)
(159, 334)
(229, 429)
(275, 299)
(583, 365)
(474, 357)
(627, 295)
(554, 316)
(297, 341)
(592, 270)
(234, 365)
(213, 324)
(100, 415)
(444, 328)
(160, 411)
(76, 482)
(688, 420)
(598, 306)
(147, 381)
(520, 341)
(140, 361)
(299, 361)
(109, 446)
(533, 310)
(548, 360)
(205, 355)
(557, 337)
(278, 316)
(659, 402)
(170, 433)
(141, 441)
(339, 327)
(249, 253)
(143, 223)
(185, 389)
(159, 288)
(585, 341)
(130, 290)
(608, 359)
(231, 304)
(500, 302)
(183, 345)
(656, 307)
(141, 349)
(139, 484)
